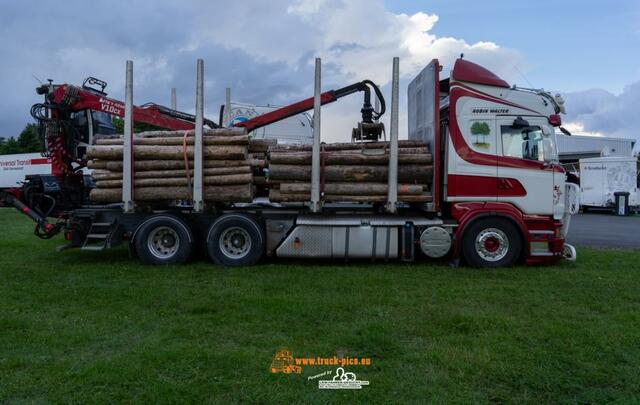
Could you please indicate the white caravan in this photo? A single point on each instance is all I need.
(601, 177)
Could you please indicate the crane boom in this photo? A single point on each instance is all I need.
(72, 98)
(368, 113)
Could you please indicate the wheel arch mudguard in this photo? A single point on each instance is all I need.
(466, 213)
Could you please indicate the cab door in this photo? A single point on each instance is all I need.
(525, 178)
(472, 169)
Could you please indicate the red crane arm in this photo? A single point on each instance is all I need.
(368, 114)
(78, 99)
(286, 112)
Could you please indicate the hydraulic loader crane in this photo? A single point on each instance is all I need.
(56, 195)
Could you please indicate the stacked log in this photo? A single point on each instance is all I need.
(258, 149)
(163, 166)
(351, 172)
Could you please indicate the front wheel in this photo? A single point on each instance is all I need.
(491, 242)
(235, 240)
(163, 239)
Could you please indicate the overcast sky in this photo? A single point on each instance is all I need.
(264, 50)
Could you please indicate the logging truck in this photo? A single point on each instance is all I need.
(477, 181)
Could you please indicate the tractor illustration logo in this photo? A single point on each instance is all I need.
(283, 362)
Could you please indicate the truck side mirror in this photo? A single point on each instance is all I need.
(548, 150)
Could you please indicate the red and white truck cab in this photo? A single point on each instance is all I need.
(499, 174)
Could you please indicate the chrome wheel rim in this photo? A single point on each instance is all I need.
(163, 242)
(492, 244)
(235, 243)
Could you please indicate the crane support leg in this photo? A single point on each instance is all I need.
(43, 229)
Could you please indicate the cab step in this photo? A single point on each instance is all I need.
(101, 236)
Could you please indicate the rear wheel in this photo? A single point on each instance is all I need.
(235, 240)
(491, 242)
(163, 239)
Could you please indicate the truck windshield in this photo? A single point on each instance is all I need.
(526, 143)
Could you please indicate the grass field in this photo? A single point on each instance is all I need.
(99, 327)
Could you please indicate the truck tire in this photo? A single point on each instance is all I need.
(163, 239)
(491, 242)
(235, 240)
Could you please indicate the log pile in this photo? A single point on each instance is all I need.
(351, 172)
(163, 166)
(237, 169)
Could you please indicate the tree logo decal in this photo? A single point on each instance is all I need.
(481, 130)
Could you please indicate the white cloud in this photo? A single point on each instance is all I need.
(109, 65)
(600, 112)
(577, 128)
(352, 43)
(305, 8)
(263, 50)
(358, 43)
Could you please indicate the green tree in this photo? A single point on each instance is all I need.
(10, 147)
(137, 126)
(480, 128)
(29, 141)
